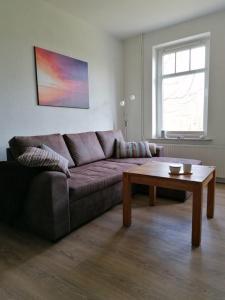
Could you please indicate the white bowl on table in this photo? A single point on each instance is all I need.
(175, 168)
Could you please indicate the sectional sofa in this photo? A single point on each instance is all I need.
(53, 205)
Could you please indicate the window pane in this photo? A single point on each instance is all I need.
(183, 103)
(198, 58)
(182, 61)
(168, 63)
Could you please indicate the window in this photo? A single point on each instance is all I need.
(182, 71)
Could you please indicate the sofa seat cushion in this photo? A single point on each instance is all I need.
(134, 161)
(108, 139)
(84, 147)
(18, 145)
(177, 160)
(93, 177)
(142, 161)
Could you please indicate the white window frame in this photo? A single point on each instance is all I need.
(158, 52)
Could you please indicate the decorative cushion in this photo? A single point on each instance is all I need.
(18, 145)
(84, 147)
(152, 148)
(108, 139)
(44, 158)
(132, 149)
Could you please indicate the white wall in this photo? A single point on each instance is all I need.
(132, 86)
(215, 24)
(25, 23)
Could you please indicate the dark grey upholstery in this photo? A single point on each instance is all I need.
(18, 144)
(108, 139)
(94, 177)
(47, 207)
(84, 147)
(50, 203)
(133, 161)
(94, 204)
(15, 181)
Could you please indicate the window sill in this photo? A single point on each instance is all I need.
(184, 141)
(207, 139)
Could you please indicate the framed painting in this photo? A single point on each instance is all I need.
(61, 80)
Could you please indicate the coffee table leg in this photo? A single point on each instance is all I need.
(126, 201)
(152, 195)
(197, 216)
(211, 197)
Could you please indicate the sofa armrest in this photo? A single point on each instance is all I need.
(9, 155)
(47, 207)
(13, 168)
(14, 185)
(159, 151)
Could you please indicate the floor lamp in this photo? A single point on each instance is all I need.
(123, 105)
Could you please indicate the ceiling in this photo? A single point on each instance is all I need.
(124, 18)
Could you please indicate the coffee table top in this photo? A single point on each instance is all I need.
(161, 170)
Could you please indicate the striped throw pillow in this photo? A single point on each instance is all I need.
(152, 147)
(132, 149)
(49, 159)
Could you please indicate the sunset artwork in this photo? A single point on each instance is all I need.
(61, 80)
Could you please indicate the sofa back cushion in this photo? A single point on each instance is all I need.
(108, 139)
(18, 145)
(84, 147)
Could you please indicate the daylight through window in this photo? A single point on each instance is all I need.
(182, 79)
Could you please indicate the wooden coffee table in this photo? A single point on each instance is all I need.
(156, 174)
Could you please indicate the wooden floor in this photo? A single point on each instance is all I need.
(152, 259)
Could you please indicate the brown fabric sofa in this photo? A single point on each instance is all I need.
(52, 205)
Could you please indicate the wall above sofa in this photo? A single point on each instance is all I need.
(26, 23)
